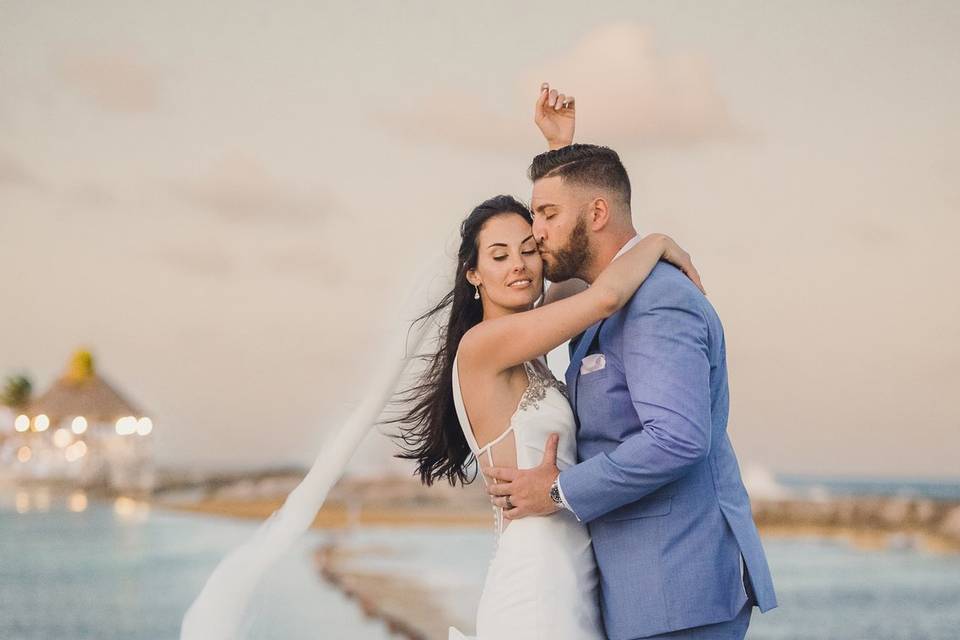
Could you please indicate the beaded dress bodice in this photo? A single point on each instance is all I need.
(542, 581)
(543, 409)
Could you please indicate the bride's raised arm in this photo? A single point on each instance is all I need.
(501, 343)
(555, 114)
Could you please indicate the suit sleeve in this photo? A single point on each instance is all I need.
(667, 368)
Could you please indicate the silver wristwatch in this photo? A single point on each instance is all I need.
(555, 493)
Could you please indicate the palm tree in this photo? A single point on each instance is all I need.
(16, 391)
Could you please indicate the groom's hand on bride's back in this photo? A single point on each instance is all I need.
(528, 490)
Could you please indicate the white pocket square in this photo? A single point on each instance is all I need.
(592, 362)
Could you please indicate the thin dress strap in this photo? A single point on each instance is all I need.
(487, 449)
(461, 408)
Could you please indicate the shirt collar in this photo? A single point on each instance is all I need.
(629, 245)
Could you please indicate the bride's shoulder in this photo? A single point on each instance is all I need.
(471, 348)
(468, 360)
(465, 350)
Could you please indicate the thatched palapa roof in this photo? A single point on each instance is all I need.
(82, 392)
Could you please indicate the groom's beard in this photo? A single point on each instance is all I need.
(567, 262)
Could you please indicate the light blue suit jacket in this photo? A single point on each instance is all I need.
(658, 481)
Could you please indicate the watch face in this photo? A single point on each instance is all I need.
(555, 493)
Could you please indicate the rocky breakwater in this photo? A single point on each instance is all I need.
(873, 522)
(409, 607)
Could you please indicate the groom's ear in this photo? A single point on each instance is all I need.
(598, 213)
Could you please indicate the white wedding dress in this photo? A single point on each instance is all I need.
(542, 583)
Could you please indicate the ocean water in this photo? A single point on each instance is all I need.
(826, 590)
(115, 570)
(941, 489)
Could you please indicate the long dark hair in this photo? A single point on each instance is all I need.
(430, 431)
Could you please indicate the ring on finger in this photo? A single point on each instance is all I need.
(507, 502)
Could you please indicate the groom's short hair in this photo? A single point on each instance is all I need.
(586, 165)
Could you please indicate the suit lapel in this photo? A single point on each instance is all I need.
(573, 371)
(572, 346)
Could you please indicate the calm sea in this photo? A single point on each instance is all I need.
(826, 590)
(113, 570)
(947, 489)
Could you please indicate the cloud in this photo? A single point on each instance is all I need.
(869, 232)
(634, 95)
(114, 82)
(93, 195)
(196, 261)
(457, 119)
(320, 262)
(310, 261)
(239, 188)
(15, 173)
(628, 95)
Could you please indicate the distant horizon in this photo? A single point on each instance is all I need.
(945, 479)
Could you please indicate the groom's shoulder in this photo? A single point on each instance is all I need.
(665, 286)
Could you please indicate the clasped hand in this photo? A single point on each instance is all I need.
(528, 490)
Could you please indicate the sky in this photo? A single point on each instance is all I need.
(228, 201)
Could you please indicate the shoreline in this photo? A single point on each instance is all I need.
(406, 606)
(869, 523)
(773, 521)
(337, 516)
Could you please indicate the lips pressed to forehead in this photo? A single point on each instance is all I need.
(568, 259)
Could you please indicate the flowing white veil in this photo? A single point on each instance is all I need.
(219, 610)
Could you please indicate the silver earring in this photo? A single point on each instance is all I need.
(476, 296)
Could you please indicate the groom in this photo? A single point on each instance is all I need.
(658, 482)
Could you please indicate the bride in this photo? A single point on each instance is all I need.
(488, 396)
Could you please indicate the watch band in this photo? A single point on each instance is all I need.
(555, 493)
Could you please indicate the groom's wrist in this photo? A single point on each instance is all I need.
(556, 494)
